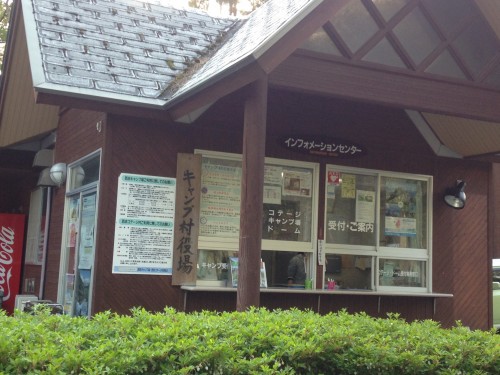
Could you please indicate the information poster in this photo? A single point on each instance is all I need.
(220, 199)
(365, 206)
(86, 251)
(144, 225)
(400, 208)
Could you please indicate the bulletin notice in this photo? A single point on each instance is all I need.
(144, 226)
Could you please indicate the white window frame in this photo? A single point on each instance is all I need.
(380, 252)
(309, 247)
(80, 190)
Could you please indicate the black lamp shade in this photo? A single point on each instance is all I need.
(455, 197)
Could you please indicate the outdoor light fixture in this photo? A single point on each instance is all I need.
(58, 173)
(455, 197)
(44, 178)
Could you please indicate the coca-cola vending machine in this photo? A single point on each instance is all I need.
(11, 255)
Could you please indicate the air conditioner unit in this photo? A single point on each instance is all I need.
(44, 158)
(21, 300)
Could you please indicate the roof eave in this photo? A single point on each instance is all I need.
(237, 65)
(89, 94)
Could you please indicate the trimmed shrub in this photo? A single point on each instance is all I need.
(254, 342)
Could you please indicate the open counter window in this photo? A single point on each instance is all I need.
(290, 199)
(377, 228)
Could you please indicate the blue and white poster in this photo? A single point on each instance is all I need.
(144, 227)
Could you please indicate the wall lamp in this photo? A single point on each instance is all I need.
(455, 196)
(58, 173)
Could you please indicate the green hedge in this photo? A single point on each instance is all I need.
(254, 342)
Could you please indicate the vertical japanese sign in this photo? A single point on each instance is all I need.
(144, 225)
(11, 253)
(187, 219)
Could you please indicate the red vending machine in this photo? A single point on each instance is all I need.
(11, 255)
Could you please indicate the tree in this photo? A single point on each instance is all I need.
(254, 4)
(5, 7)
(233, 6)
(200, 4)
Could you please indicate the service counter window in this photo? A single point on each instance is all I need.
(377, 227)
(289, 217)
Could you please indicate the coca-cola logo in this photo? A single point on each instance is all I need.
(6, 260)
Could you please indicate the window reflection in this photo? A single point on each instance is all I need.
(402, 273)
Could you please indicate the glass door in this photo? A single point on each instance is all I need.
(76, 270)
(80, 253)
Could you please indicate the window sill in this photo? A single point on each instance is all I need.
(318, 291)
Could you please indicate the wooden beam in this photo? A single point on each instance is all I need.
(252, 182)
(99, 105)
(381, 86)
(214, 90)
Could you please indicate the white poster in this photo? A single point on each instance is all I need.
(86, 250)
(144, 226)
(365, 206)
(220, 200)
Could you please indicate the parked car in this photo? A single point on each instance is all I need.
(496, 294)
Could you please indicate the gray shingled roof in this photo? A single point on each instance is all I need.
(141, 52)
(264, 27)
(116, 49)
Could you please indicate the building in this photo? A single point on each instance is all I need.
(332, 128)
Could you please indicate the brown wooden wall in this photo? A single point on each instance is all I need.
(392, 143)
(77, 136)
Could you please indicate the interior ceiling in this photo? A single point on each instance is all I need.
(454, 43)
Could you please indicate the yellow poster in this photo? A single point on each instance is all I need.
(348, 186)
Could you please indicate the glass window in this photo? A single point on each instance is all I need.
(220, 197)
(389, 8)
(288, 212)
(413, 24)
(288, 217)
(403, 212)
(376, 222)
(402, 273)
(350, 208)
(349, 271)
(213, 267)
(355, 25)
(321, 42)
(445, 65)
(84, 173)
(384, 53)
(289, 193)
(449, 17)
(477, 46)
(282, 271)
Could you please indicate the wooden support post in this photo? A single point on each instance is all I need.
(252, 182)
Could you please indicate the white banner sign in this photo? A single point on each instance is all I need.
(144, 225)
